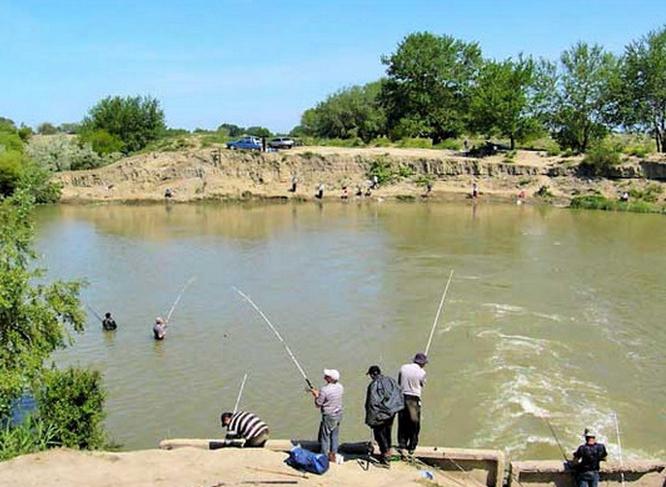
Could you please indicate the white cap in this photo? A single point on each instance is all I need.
(332, 373)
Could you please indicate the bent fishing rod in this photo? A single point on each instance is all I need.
(557, 440)
(180, 295)
(92, 310)
(439, 311)
(277, 334)
(619, 445)
(240, 393)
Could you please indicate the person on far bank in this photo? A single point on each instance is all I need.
(411, 379)
(294, 183)
(586, 460)
(319, 194)
(108, 323)
(159, 329)
(383, 400)
(329, 400)
(244, 426)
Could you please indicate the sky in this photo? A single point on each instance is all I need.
(262, 62)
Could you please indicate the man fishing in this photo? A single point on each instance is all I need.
(159, 329)
(411, 379)
(586, 460)
(329, 400)
(383, 400)
(244, 426)
(108, 323)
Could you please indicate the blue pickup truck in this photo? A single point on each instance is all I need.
(245, 143)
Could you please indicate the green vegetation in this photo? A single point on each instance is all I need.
(36, 318)
(597, 202)
(134, 121)
(601, 158)
(440, 88)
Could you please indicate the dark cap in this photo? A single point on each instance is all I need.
(420, 358)
(374, 370)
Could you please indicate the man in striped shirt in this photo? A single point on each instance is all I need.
(247, 426)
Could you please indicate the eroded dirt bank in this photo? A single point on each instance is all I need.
(215, 173)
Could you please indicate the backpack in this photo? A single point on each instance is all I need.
(302, 459)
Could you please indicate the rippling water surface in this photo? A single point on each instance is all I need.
(550, 312)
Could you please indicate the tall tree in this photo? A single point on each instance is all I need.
(582, 105)
(136, 121)
(428, 86)
(348, 113)
(504, 100)
(641, 87)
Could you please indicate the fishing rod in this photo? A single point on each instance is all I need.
(240, 393)
(277, 334)
(439, 311)
(92, 310)
(619, 445)
(557, 440)
(180, 295)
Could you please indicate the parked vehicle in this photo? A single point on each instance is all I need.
(281, 143)
(245, 143)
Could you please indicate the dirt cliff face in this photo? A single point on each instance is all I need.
(215, 173)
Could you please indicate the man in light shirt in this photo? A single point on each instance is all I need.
(329, 400)
(411, 379)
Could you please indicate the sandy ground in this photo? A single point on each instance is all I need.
(186, 467)
(218, 174)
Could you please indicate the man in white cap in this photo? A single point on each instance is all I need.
(586, 460)
(329, 400)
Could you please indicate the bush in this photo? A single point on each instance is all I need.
(71, 401)
(101, 141)
(380, 142)
(449, 144)
(381, 167)
(63, 153)
(10, 170)
(31, 436)
(136, 121)
(38, 182)
(415, 143)
(650, 193)
(601, 158)
(598, 202)
(10, 141)
(46, 128)
(543, 192)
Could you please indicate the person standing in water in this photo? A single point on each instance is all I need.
(475, 190)
(159, 329)
(411, 379)
(108, 323)
(587, 458)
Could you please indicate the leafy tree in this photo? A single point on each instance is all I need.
(641, 87)
(10, 171)
(34, 316)
(503, 101)
(24, 132)
(101, 141)
(7, 125)
(46, 128)
(582, 105)
(136, 121)
(231, 129)
(428, 86)
(258, 131)
(349, 113)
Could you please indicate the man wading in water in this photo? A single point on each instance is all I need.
(382, 401)
(244, 426)
(411, 378)
(159, 329)
(329, 399)
(108, 323)
(586, 460)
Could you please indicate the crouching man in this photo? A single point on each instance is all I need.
(244, 429)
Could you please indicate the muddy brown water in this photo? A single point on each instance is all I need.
(551, 311)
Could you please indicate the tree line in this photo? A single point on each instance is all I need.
(440, 88)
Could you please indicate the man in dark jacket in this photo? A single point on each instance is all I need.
(108, 323)
(586, 460)
(383, 400)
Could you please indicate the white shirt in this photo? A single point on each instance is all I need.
(411, 378)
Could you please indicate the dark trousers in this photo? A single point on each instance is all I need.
(409, 423)
(258, 441)
(587, 479)
(382, 434)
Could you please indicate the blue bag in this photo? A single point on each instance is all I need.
(302, 459)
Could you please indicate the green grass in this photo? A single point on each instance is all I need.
(31, 436)
(597, 202)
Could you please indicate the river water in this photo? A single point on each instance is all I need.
(550, 311)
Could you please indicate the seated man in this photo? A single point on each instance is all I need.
(246, 426)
